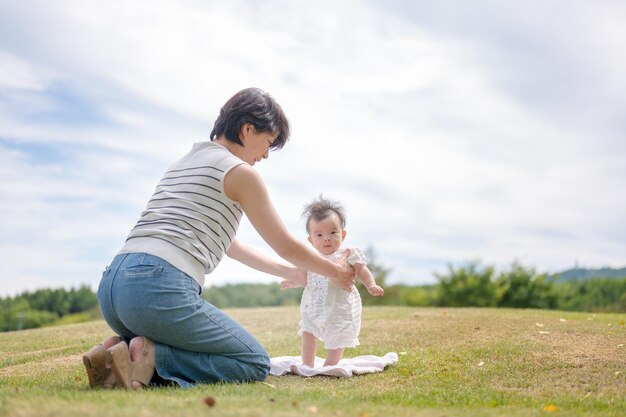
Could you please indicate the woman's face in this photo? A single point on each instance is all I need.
(255, 145)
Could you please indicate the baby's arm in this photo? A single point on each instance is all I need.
(366, 277)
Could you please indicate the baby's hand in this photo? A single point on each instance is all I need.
(375, 290)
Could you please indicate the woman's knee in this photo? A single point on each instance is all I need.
(258, 367)
(262, 368)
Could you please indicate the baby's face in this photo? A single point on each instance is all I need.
(326, 235)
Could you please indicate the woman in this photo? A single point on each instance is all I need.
(150, 294)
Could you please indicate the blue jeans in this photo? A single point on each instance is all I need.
(195, 342)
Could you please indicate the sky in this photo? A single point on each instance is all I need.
(451, 131)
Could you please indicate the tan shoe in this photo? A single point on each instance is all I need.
(96, 361)
(126, 370)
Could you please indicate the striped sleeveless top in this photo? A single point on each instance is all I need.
(189, 221)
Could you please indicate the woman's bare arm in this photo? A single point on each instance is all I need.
(244, 185)
(259, 261)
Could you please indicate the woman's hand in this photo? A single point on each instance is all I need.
(345, 278)
(295, 279)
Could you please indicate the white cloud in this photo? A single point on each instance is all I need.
(15, 73)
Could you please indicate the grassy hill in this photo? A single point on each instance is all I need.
(576, 274)
(453, 362)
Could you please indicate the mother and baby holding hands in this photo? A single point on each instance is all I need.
(150, 293)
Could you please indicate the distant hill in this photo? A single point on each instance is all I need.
(583, 274)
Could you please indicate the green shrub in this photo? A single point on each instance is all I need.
(599, 294)
(522, 287)
(467, 286)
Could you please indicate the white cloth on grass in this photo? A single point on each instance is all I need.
(346, 367)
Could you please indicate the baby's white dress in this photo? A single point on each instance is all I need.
(329, 313)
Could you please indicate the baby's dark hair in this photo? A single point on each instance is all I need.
(255, 106)
(321, 208)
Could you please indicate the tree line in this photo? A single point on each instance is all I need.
(42, 307)
(468, 285)
(476, 285)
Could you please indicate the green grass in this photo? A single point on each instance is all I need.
(453, 362)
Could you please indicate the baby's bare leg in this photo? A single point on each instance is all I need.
(334, 356)
(309, 346)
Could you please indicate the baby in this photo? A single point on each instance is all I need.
(329, 313)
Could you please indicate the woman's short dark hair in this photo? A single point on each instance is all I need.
(254, 106)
